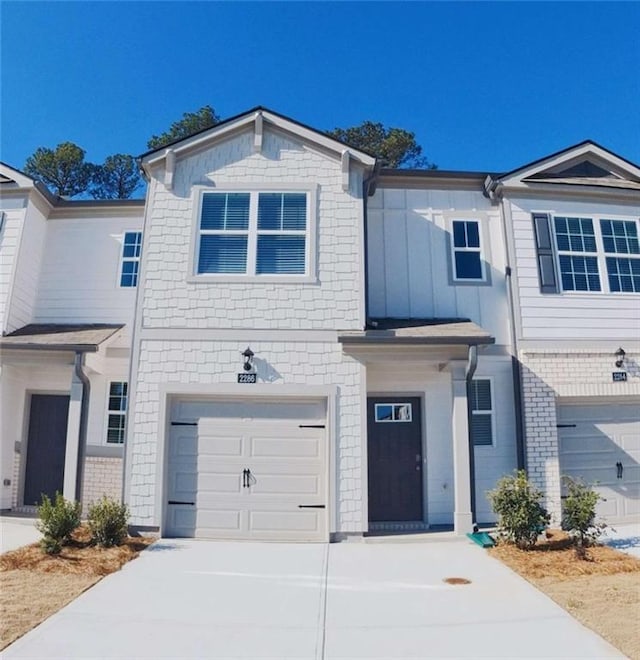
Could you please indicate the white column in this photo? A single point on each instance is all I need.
(462, 518)
(73, 438)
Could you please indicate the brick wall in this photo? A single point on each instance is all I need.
(102, 476)
(548, 376)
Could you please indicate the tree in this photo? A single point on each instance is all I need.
(191, 123)
(395, 147)
(117, 178)
(63, 169)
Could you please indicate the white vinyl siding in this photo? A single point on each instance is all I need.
(253, 233)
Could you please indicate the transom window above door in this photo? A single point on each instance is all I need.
(254, 233)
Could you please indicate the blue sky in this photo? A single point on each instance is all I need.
(485, 86)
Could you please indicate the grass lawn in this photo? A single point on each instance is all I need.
(33, 585)
(602, 592)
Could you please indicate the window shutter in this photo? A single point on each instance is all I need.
(544, 250)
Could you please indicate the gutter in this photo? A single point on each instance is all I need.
(472, 365)
(84, 415)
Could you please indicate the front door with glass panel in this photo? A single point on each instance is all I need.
(394, 459)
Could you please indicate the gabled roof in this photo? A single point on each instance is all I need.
(10, 174)
(583, 164)
(256, 115)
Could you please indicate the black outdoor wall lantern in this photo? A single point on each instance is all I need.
(248, 354)
(620, 354)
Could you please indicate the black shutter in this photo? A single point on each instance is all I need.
(544, 250)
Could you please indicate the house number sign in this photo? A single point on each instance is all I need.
(619, 376)
(246, 378)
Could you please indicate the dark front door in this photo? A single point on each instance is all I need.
(394, 459)
(46, 445)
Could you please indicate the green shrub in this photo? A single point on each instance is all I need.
(579, 515)
(57, 520)
(108, 522)
(517, 503)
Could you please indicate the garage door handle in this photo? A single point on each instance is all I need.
(176, 502)
(310, 506)
(620, 469)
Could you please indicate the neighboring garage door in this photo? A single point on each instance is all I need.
(601, 445)
(243, 470)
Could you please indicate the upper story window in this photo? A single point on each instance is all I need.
(131, 248)
(116, 412)
(621, 237)
(577, 254)
(467, 251)
(586, 249)
(481, 412)
(254, 233)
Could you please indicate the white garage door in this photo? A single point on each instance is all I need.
(601, 445)
(242, 470)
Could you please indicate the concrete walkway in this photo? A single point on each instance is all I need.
(16, 532)
(197, 599)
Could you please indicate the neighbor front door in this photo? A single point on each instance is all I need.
(394, 459)
(46, 444)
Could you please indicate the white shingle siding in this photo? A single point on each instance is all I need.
(334, 302)
(207, 363)
(169, 301)
(9, 243)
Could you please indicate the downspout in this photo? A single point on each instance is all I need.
(84, 415)
(368, 189)
(472, 365)
(516, 367)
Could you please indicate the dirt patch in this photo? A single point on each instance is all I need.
(34, 585)
(602, 592)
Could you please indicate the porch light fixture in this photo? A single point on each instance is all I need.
(620, 354)
(248, 354)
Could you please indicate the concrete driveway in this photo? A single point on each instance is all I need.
(197, 599)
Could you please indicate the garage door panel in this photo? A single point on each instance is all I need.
(263, 520)
(600, 437)
(287, 464)
(217, 483)
(286, 486)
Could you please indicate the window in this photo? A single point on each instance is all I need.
(116, 412)
(393, 412)
(253, 233)
(621, 237)
(577, 254)
(467, 251)
(481, 412)
(131, 247)
(588, 247)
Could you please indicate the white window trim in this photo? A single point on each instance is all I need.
(107, 412)
(481, 219)
(601, 255)
(123, 258)
(309, 277)
(492, 412)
